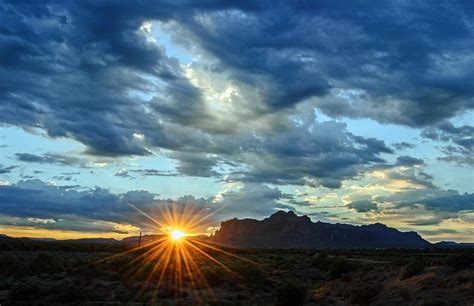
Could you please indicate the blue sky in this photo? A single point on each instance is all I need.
(353, 112)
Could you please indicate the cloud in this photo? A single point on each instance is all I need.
(6, 169)
(123, 173)
(52, 158)
(399, 146)
(40, 204)
(459, 142)
(309, 152)
(406, 160)
(425, 222)
(363, 206)
(395, 62)
(108, 83)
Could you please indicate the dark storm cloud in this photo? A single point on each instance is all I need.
(36, 199)
(88, 71)
(411, 58)
(52, 158)
(310, 152)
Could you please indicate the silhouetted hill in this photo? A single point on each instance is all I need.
(287, 230)
(146, 239)
(93, 240)
(453, 245)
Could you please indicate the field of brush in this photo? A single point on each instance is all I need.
(33, 272)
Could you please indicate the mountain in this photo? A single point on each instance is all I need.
(146, 239)
(93, 240)
(4, 237)
(287, 230)
(453, 245)
(41, 239)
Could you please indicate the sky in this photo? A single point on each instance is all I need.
(348, 111)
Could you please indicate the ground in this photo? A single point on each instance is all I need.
(59, 273)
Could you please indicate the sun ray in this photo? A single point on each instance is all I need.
(175, 258)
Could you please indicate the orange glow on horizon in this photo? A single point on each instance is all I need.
(178, 256)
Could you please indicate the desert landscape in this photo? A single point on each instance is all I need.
(243, 152)
(194, 270)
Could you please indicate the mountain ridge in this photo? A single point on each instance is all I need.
(287, 230)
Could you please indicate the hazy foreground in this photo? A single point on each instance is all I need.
(34, 272)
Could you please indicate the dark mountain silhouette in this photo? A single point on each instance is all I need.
(4, 237)
(453, 245)
(146, 239)
(287, 230)
(93, 240)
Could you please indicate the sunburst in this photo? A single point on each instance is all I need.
(172, 258)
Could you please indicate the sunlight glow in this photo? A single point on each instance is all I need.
(176, 256)
(177, 234)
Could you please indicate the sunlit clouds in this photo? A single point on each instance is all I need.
(114, 112)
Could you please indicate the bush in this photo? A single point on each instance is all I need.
(215, 276)
(251, 273)
(339, 267)
(291, 294)
(9, 263)
(71, 293)
(320, 261)
(364, 296)
(23, 292)
(460, 261)
(45, 263)
(413, 268)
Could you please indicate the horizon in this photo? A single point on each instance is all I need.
(118, 118)
(166, 233)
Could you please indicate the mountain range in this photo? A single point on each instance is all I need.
(287, 230)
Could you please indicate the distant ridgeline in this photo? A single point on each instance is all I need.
(287, 230)
(281, 230)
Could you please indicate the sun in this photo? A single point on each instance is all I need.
(177, 234)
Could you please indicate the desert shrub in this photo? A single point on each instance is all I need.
(364, 296)
(215, 276)
(413, 268)
(45, 263)
(167, 292)
(8, 263)
(71, 293)
(320, 261)
(460, 261)
(291, 294)
(23, 292)
(251, 273)
(340, 266)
